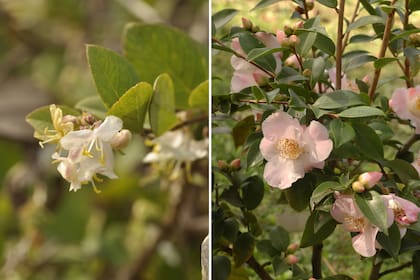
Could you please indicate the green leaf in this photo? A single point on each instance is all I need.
(252, 192)
(40, 118)
(264, 3)
(220, 267)
(93, 105)
(341, 132)
(156, 49)
(357, 60)
(361, 112)
(314, 234)
(323, 190)
(324, 43)
(373, 208)
(391, 244)
(405, 34)
(368, 142)
(414, 5)
(295, 101)
(199, 97)
(318, 68)
(230, 229)
(222, 17)
(260, 52)
(132, 106)
(338, 99)
(338, 277)
(381, 62)
(243, 248)
(279, 265)
(299, 194)
(328, 3)
(404, 170)
(279, 238)
(307, 40)
(362, 21)
(242, 130)
(254, 156)
(252, 223)
(162, 107)
(112, 73)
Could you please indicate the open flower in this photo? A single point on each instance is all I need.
(291, 149)
(405, 211)
(88, 153)
(245, 74)
(406, 104)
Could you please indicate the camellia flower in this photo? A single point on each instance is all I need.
(245, 74)
(291, 149)
(406, 104)
(176, 146)
(405, 211)
(346, 212)
(89, 153)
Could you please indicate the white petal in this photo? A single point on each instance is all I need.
(76, 139)
(110, 126)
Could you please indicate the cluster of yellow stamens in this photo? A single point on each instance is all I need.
(289, 148)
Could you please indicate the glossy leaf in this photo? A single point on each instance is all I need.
(220, 268)
(156, 49)
(313, 234)
(93, 105)
(404, 170)
(162, 107)
(199, 97)
(391, 244)
(373, 208)
(341, 132)
(132, 106)
(381, 62)
(222, 17)
(338, 99)
(368, 142)
(279, 238)
(112, 73)
(362, 21)
(323, 190)
(361, 112)
(40, 118)
(252, 192)
(243, 248)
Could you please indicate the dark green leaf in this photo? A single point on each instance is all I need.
(361, 112)
(220, 268)
(157, 49)
(260, 52)
(338, 99)
(132, 106)
(404, 170)
(265, 246)
(328, 3)
(232, 196)
(299, 194)
(279, 265)
(254, 156)
(242, 130)
(340, 132)
(295, 101)
(252, 192)
(368, 142)
(391, 243)
(325, 44)
(405, 34)
(243, 248)
(338, 277)
(324, 189)
(112, 73)
(381, 62)
(307, 40)
(279, 238)
(252, 222)
(222, 17)
(230, 229)
(311, 236)
(357, 60)
(361, 38)
(264, 3)
(362, 21)
(373, 208)
(162, 107)
(318, 68)
(414, 5)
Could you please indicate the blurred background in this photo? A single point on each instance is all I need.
(142, 226)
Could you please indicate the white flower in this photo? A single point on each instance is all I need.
(89, 153)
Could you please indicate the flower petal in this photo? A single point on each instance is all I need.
(283, 173)
(281, 125)
(364, 243)
(76, 139)
(110, 126)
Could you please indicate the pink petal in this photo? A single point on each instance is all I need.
(241, 81)
(268, 149)
(320, 146)
(364, 243)
(370, 178)
(267, 39)
(343, 207)
(282, 173)
(399, 103)
(281, 125)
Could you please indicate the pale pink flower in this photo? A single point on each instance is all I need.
(369, 179)
(346, 84)
(406, 104)
(292, 149)
(346, 212)
(245, 73)
(405, 211)
(292, 61)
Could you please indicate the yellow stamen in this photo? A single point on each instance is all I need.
(289, 148)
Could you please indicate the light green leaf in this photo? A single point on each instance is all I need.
(365, 21)
(381, 62)
(264, 3)
(373, 208)
(112, 73)
(93, 105)
(132, 106)
(404, 170)
(361, 112)
(307, 40)
(199, 97)
(162, 107)
(40, 118)
(338, 99)
(156, 49)
(222, 17)
(324, 189)
(341, 132)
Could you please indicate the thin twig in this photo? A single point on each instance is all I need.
(317, 261)
(395, 269)
(407, 72)
(375, 271)
(339, 49)
(353, 18)
(413, 139)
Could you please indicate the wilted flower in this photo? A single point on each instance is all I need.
(245, 73)
(346, 212)
(406, 104)
(291, 149)
(405, 211)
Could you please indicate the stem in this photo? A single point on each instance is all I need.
(407, 73)
(384, 46)
(413, 139)
(395, 269)
(317, 261)
(272, 75)
(339, 50)
(353, 18)
(375, 271)
(305, 7)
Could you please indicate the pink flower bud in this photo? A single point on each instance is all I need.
(235, 164)
(358, 187)
(294, 40)
(369, 179)
(222, 165)
(298, 24)
(292, 248)
(292, 61)
(292, 259)
(281, 36)
(246, 24)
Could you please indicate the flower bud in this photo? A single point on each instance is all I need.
(235, 164)
(292, 61)
(247, 24)
(298, 24)
(70, 118)
(307, 72)
(121, 139)
(223, 166)
(87, 119)
(255, 28)
(292, 248)
(369, 179)
(260, 78)
(358, 187)
(291, 259)
(288, 30)
(281, 37)
(294, 40)
(310, 4)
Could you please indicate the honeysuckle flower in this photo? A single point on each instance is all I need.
(346, 212)
(245, 74)
(405, 211)
(346, 84)
(406, 104)
(292, 149)
(176, 146)
(88, 153)
(61, 125)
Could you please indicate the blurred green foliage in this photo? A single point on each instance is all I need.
(141, 226)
